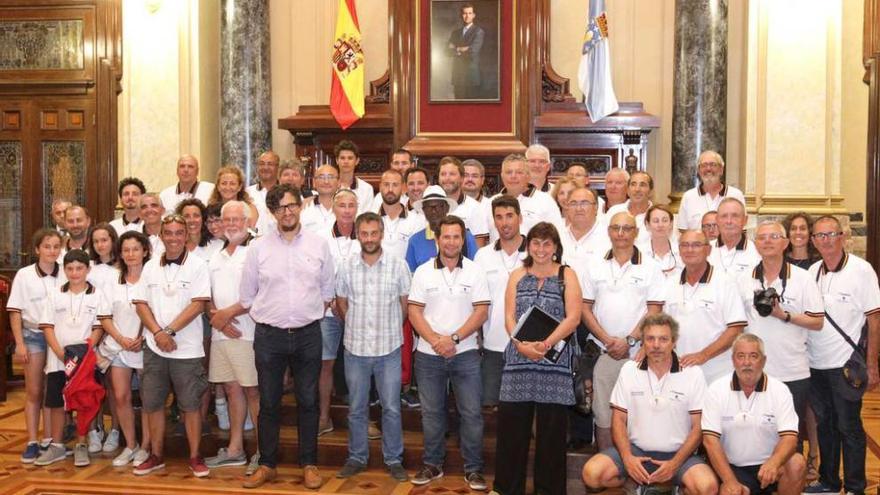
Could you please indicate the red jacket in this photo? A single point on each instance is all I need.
(82, 393)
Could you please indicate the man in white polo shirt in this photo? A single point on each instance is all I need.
(172, 294)
(395, 215)
(130, 191)
(848, 285)
(535, 205)
(348, 157)
(656, 426)
(733, 252)
(450, 174)
(619, 289)
(639, 190)
(708, 194)
(448, 302)
(232, 347)
(267, 176)
(585, 236)
(498, 260)
(188, 185)
(797, 310)
(750, 428)
(707, 305)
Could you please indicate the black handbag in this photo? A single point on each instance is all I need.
(582, 363)
(855, 370)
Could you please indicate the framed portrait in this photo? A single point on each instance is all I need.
(464, 56)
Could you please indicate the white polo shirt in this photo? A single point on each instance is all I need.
(168, 287)
(785, 343)
(669, 263)
(72, 316)
(121, 225)
(644, 235)
(850, 294)
(448, 298)
(535, 206)
(376, 203)
(577, 253)
(735, 262)
(171, 196)
(120, 301)
(31, 288)
(749, 428)
(620, 294)
(470, 210)
(396, 232)
(696, 202)
(101, 275)
(364, 192)
(342, 248)
(658, 410)
(157, 247)
(266, 220)
(316, 218)
(703, 313)
(498, 266)
(226, 272)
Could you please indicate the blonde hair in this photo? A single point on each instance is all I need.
(242, 194)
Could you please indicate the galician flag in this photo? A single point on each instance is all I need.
(594, 73)
(347, 87)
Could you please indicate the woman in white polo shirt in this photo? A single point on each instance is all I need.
(662, 245)
(123, 344)
(32, 285)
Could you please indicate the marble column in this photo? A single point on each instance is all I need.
(245, 84)
(699, 108)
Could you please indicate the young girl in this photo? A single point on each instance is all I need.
(72, 316)
(124, 343)
(32, 285)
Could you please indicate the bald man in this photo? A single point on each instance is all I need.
(188, 185)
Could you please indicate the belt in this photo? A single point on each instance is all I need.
(290, 329)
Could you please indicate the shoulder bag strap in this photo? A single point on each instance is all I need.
(842, 333)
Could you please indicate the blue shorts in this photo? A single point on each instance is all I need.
(690, 462)
(34, 341)
(331, 336)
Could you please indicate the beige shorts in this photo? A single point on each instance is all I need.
(604, 377)
(233, 361)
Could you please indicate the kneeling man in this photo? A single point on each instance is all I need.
(655, 424)
(750, 428)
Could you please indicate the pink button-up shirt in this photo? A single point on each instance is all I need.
(286, 283)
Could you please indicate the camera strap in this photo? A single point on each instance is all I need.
(759, 274)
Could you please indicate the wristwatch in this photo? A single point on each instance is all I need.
(170, 331)
(455, 338)
(631, 341)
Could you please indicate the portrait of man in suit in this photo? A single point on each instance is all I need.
(465, 66)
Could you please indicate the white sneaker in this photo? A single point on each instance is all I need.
(112, 441)
(222, 412)
(140, 457)
(81, 455)
(124, 457)
(95, 439)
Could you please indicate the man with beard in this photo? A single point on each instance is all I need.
(708, 194)
(395, 216)
(232, 347)
(130, 191)
(401, 162)
(422, 245)
(77, 222)
(474, 179)
(287, 284)
(450, 174)
(371, 297)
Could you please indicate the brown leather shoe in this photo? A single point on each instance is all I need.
(260, 476)
(312, 478)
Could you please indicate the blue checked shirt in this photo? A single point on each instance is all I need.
(374, 321)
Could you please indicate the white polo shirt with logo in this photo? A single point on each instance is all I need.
(168, 287)
(749, 427)
(31, 290)
(396, 232)
(470, 210)
(171, 196)
(703, 313)
(448, 298)
(498, 266)
(850, 294)
(535, 206)
(226, 272)
(785, 343)
(696, 202)
(577, 253)
(73, 317)
(735, 262)
(121, 225)
(658, 409)
(342, 248)
(620, 295)
(644, 235)
(315, 218)
(120, 298)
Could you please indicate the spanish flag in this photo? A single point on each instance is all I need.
(347, 87)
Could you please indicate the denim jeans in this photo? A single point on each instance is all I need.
(386, 369)
(839, 425)
(434, 374)
(276, 350)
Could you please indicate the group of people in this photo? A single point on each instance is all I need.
(703, 373)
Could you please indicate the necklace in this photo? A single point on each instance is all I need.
(661, 259)
(170, 289)
(657, 395)
(612, 263)
(74, 317)
(744, 413)
(449, 286)
(722, 256)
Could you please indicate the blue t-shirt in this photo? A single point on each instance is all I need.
(420, 249)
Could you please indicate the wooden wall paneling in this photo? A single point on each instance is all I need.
(871, 58)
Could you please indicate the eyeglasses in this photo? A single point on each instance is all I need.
(290, 208)
(826, 235)
(710, 164)
(775, 237)
(580, 204)
(691, 245)
(174, 218)
(326, 177)
(625, 229)
(710, 226)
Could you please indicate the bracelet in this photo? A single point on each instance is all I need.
(787, 317)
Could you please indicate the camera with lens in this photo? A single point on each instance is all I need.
(764, 300)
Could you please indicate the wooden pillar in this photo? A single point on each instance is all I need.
(871, 57)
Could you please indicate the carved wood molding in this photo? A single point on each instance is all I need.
(380, 89)
(871, 60)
